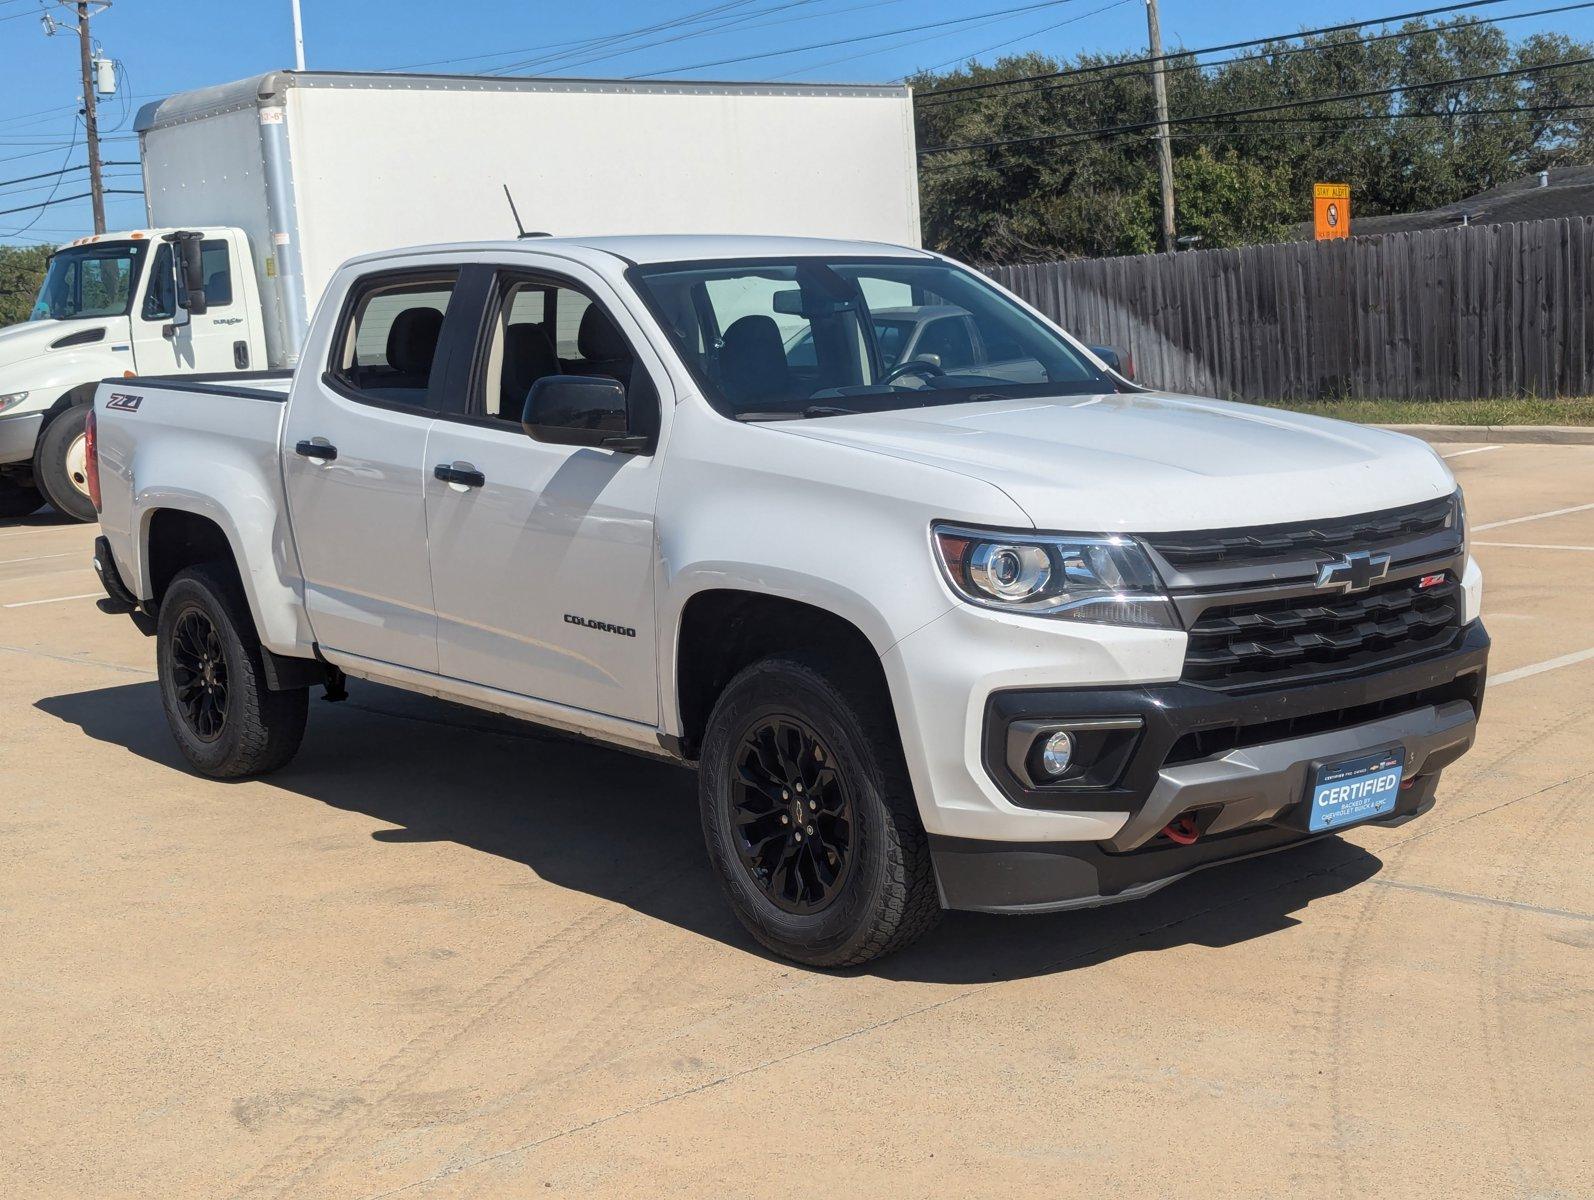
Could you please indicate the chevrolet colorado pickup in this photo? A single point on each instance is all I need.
(1016, 636)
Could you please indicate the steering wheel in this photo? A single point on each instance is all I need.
(914, 366)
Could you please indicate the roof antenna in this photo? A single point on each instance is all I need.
(515, 212)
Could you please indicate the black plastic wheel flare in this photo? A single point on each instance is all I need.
(792, 814)
(199, 674)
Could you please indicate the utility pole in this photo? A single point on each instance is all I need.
(91, 122)
(1159, 91)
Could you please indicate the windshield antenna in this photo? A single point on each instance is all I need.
(515, 212)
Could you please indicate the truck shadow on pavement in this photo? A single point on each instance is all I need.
(624, 829)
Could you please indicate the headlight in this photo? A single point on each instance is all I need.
(1108, 580)
(11, 400)
(1460, 518)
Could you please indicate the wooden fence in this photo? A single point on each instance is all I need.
(1475, 311)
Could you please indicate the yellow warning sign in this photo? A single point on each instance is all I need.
(1331, 210)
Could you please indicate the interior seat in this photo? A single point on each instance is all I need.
(411, 346)
(529, 355)
(753, 368)
(603, 348)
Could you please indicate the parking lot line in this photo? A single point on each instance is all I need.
(1550, 664)
(51, 600)
(1554, 512)
(5, 562)
(1474, 450)
(1532, 546)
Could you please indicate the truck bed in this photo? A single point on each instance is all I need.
(178, 442)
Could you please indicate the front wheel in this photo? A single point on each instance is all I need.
(809, 817)
(226, 721)
(60, 464)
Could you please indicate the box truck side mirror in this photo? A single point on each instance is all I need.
(189, 268)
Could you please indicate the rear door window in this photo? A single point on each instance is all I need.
(387, 343)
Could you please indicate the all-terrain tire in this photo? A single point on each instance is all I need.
(259, 730)
(886, 896)
(58, 468)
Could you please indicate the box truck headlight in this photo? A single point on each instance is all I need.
(11, 400)
(1107, 580)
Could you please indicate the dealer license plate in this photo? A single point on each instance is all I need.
(1356, 789)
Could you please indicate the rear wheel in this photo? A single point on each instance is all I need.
(18, 499)
(809, 817)
(226, 721)
(60, 464)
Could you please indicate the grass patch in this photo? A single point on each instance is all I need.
(1573, 410)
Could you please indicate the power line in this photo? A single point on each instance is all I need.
(615, 49)
(585, 43)
(65, 171)
(1133, 127)
(6, 212)
(932, 99)
(1150, 59)
(830, 62)
(1021, 37)
(866, 37)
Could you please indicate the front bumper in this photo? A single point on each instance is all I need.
(1237, 765)
(18, 436)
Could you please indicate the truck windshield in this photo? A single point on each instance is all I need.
(808, 337)
(90, 281)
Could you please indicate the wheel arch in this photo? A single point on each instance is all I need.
(721, 630)
(181, 530)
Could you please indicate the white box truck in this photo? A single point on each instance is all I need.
(257, 190)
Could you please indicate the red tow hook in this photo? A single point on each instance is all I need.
(1183, 830)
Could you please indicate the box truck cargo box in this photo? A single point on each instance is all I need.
(316, 167)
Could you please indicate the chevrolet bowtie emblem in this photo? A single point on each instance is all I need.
(1354, 572)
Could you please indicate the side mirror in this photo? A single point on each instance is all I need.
(1123, 363)
(189, 267)
(933, 359)
(580, 410)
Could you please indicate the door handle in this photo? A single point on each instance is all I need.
(316, 450)
(465, 475)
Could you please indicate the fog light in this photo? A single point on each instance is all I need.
(1057, 753)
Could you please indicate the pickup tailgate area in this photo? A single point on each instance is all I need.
(208, 447)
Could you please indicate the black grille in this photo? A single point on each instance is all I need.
(1276, 641)
(1333, 536)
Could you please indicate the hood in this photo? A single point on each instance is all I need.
(1152, 462)
(29, 339)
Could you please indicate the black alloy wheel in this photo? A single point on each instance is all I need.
(199, 674)
(793, 814)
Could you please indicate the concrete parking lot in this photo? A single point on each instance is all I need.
(445, 955)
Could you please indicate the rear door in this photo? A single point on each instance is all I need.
(543, 560)
(354, 459)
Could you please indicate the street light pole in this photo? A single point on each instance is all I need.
(298, 38)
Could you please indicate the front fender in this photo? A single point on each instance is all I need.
(754, 509)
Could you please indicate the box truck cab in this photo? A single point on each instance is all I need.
(275, 180)
(146, 302)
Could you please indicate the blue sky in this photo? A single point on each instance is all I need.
(171, 45)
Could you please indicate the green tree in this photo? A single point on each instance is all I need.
(1246, 178)
(21, 272)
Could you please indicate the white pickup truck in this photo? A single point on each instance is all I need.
(1014, 636)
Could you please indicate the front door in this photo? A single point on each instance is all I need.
(208, 342)
(543, 556)
(354, 454)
